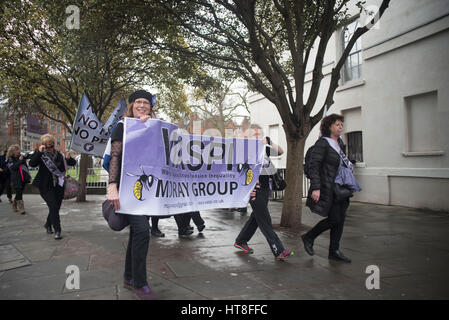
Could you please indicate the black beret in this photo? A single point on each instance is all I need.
(140, 94)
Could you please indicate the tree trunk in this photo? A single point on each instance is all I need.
(83, 177)
(292, 206)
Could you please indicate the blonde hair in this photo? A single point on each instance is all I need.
(47, 138)
(12, 149)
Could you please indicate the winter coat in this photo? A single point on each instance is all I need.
(14, 168)
(5, 173)
(324, 164)
(44, 179)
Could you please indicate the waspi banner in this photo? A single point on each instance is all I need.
(89, 135)
(166, 171)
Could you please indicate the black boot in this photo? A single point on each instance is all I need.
(308, 244)
(185, 233)
(58, 235)
(48, 228)
(338, 256)
(157, 233)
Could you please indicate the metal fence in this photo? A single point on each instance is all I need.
(97, 178)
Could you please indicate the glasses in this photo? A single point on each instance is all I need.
(49, 145)
(143, 103)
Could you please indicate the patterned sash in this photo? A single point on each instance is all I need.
(51, 166)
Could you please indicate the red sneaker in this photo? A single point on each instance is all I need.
(284, 255)
(244, 247)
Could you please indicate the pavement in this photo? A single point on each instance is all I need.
(409, 247)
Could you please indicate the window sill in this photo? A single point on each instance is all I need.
(360, 165)
(423, 154)
(351, 84)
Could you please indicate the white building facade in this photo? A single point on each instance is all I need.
(394, 95)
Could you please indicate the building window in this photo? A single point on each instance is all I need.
(422, 123)
(58, 141)
(352, 68)
(58, 128)
(355, 146)
(52, 126)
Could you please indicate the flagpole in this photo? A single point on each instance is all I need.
(74, 120)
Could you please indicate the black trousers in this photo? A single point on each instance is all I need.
(53, 198)
(260, 218)
(5, 183)
(196, 217)
(181, 222)
(335, 222)
(137, 250)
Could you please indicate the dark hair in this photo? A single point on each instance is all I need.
(327, 122)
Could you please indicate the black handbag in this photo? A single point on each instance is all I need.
(277, 183)
(116, 221)
(341, 193)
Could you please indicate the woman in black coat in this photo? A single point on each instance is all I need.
(49, 179)
(324, 167)
(19, 176)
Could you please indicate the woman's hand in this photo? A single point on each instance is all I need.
(145, 117)
(253, 193)
(68, 155)
(41, 148)
(113, 196)
(316, 195)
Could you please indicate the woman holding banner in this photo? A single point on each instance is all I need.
(50, 179)
(135, 276)
(260, 217)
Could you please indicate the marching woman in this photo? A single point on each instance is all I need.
(19, 176)
(331, 185)
(260, 217)
(50, 179)
(135, 276)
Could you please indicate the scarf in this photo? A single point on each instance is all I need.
(58, 176)
(345, 175)
(344, 159)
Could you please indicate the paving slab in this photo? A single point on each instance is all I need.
(409, 246)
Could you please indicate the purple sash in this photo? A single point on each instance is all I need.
(51, 166)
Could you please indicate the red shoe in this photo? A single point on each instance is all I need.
(244, 247)
(284, 255)
(144, 293)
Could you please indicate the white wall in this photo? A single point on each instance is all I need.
(403, 58)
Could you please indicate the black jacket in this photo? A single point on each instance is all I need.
(16, 179)
(44, 179)
(5, 173)
(324, 163)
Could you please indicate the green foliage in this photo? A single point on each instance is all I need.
(45, 66)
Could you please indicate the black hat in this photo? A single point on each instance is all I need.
(140, 94)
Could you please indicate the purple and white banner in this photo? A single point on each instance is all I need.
(167, 171)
